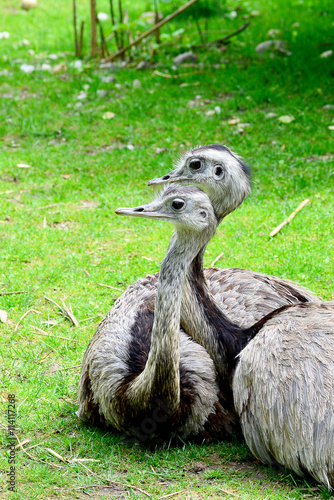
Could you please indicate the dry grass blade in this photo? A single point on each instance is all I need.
(171, 494)
(289, 219)
(84, 460)
(24, 315)
(14, 293)
(217, 259)
(22, 443)
(69, 368)
(227, 492)
(35, 459)
(69, 313)
(66, 311)
(39, 331)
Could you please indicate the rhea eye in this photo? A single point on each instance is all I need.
(178, 204)
(195, 164)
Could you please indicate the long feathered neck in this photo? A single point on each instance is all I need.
(204, 320)
(160, 377)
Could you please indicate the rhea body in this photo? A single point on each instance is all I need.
(140, 374)
(284, 391)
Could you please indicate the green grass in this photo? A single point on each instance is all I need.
(59, 235)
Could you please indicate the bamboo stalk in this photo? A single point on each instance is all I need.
(121, 20)
(112, 14)
(150, 31)
(75, 28)
(93, 27)
(81, 38)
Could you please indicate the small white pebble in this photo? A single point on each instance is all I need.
(102, 16)
(27, 68)
(136, 83)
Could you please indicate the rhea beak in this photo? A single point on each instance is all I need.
(166, 179)
(148, 211)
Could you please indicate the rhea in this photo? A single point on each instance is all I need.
(244, 295)
(140, 375)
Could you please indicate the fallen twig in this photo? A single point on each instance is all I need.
(39, 331)
(227, 37)
(289, 219)
(171, 494)
(229, 493)
(150, 31)
(24, 315)
(109, 286)
(55, 454)
(217, 259)
(13, 293)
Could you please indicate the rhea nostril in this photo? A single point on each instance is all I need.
(139, 209)
(166, 177)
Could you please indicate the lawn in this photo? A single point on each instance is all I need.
(65, 166)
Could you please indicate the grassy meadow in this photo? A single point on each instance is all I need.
(66, 165)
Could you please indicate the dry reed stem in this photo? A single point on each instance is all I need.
(289, 219)
(171, 494)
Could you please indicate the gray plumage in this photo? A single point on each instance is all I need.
(284, 391)
(140, 375)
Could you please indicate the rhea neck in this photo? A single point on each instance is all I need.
(202, 318)
(160, 377)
